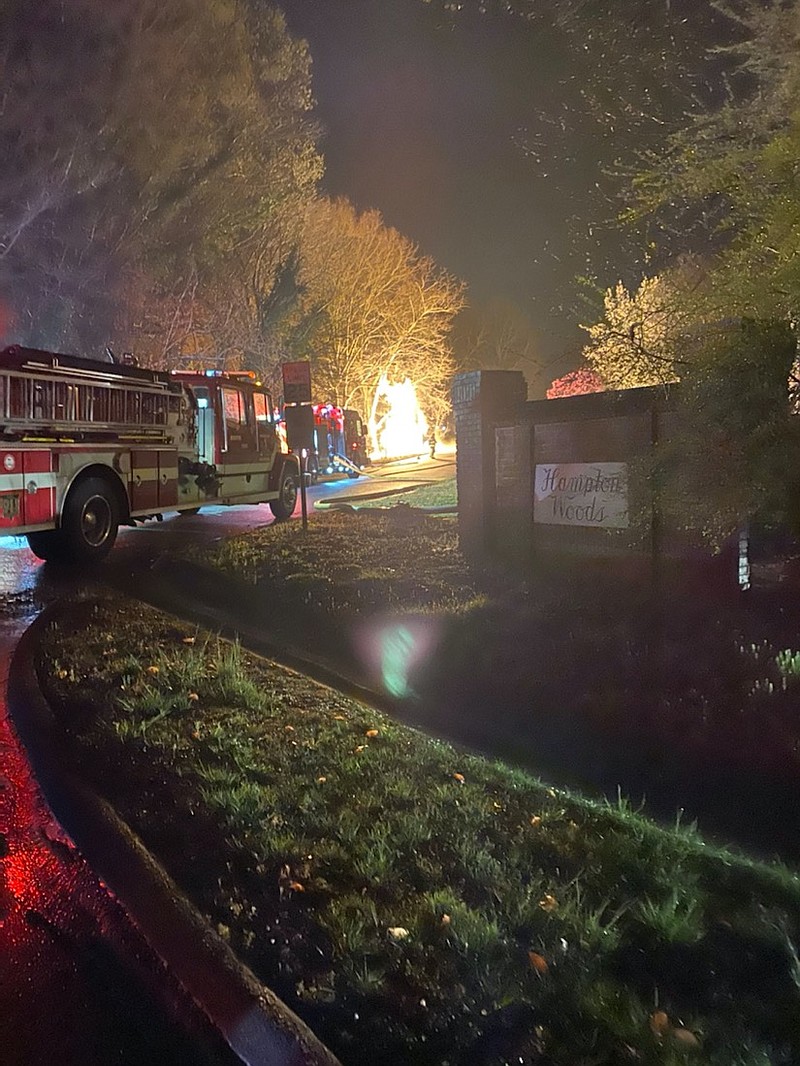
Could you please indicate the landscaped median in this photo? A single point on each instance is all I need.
(685, 700)
(417, 905)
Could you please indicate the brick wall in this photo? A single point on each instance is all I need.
(502, 439)
(482, 400)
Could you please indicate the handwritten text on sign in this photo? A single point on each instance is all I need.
(581, 494)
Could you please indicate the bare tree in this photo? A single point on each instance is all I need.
(496, 335)
(372, 306)
(162, 142)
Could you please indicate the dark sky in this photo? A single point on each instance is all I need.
(425, 116)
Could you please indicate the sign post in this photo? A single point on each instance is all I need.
(303, 498)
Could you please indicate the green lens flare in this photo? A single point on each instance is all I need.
(396, 648)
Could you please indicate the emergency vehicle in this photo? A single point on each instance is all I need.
(334, 438)
(87, 446)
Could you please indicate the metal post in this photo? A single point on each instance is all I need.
(303, 500)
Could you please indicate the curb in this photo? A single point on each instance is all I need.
(349, 499)
(350, 503)
(258, 1026)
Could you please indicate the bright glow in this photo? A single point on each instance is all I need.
(394, 650)
(397, 646)
(397, 426)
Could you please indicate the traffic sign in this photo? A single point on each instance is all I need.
(296, 382)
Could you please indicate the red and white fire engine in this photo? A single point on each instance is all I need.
(334, 438)
(87, 446)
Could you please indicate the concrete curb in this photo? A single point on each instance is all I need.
(255, 1023)
(350, 503)
(351, 499)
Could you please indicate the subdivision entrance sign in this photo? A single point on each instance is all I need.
(581, 494)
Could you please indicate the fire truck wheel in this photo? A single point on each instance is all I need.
(283, 507)
(89, 521)
(189, 511)
(45, 543)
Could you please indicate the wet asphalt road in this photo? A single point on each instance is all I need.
(77, 984)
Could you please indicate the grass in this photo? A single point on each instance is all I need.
(370, 560)
(417, 904)
(604, 687)
(437, 494)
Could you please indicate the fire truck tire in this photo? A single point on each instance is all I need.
(189, 511)
(283, 507)
(89, 521)
(45, 543)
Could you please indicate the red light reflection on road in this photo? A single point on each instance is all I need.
(51, 905)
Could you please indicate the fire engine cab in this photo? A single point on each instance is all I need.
(87, 446)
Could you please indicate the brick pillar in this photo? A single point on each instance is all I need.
(482, 399)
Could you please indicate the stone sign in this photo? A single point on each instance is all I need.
(581, 494)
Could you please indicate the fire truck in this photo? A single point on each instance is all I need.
(87, 446)
(334, 438)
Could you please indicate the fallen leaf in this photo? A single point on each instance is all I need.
(193, 697)
(460, 778)
(446, 919)
(659, 1022)
(321, 780)
(536, 820)
(153, 670)
(62, 674)
(288, 729)
(548, 903)
(686, 1038)
(538, 962)
(339, 718)
(189, 640)
(295, 886)
(371, 733)
(397, 932)
(361, 747)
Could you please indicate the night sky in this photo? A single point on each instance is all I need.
(469, 134)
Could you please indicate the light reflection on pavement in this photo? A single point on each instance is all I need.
(66, 995)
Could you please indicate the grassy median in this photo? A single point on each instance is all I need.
(416, 904)
(436, 494)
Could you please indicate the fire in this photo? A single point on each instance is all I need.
(397, 426)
